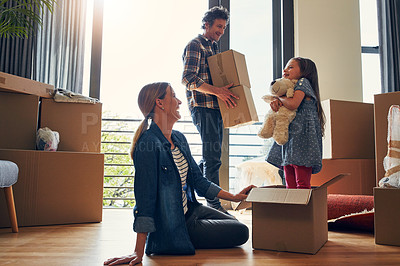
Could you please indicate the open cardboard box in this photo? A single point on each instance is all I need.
(79, 124)
(292, 220)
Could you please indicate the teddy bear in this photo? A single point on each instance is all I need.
(391, 162)
(276, 124)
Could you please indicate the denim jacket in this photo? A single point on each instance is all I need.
(158, 192)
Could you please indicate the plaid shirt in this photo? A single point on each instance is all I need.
(196, 72)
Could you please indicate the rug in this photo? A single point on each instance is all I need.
(353, 212)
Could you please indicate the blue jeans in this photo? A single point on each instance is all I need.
(210, 126)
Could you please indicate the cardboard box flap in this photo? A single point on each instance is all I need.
(333, 180)
(13, 83)
(279, 195)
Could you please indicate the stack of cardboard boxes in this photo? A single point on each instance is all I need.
(348, 147)
(59, 187)
(230, 67)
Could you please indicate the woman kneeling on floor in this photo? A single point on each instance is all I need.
(168, 218)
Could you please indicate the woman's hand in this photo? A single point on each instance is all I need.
(242, 195)
(223, 194)
(132, 259)
(276, 104)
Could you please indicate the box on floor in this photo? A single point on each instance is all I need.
(386, 200)
(55, 187)
(360, 182)
(387, 216)
(292, 220)
(18, 120)
(349, 130)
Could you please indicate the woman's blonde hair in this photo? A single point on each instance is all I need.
(147, 101)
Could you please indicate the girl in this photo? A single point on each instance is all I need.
(301, 156)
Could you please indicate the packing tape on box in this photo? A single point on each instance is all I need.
(394, 144)
(221, 69)
(219, 63)
(394, 154)
(392, 170)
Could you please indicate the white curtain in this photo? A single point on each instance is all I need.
(60, 46)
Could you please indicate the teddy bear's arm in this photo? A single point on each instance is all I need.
(268, 98)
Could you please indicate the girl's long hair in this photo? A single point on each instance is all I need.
(308, 70)
(147, 101)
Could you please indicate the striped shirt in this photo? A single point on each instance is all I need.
(196, 71)
(183, 167)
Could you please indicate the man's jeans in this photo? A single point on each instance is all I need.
(210, 126)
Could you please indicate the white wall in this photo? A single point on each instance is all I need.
(328, 32)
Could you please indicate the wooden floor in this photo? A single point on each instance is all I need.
(91, 244)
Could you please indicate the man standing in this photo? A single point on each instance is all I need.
(202, 95)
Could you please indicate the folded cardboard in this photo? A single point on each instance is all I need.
(55, 187)
(349, 130)
(228, 67)
(79, 124)
(382, 103)
(14, 83)
(387, 216)
(18, 120)
(244, 113)
(292, 220)
(360, 182)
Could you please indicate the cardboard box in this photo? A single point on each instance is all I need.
(79, 124)
(292, 220)
(12, 83)
(244, 113)
(360, 182)
(387, 216)
(18, 120)
(55, 187)
(382, 103)
(349, 131)
(228, 67)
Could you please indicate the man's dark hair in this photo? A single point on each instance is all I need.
(216, 12)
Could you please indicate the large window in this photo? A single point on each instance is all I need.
(143, 42)
(251, 35)
(371, 73)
